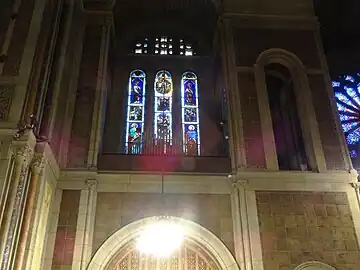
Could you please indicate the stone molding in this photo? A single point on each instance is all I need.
(193, 231)
(313, 265)
(307, 115)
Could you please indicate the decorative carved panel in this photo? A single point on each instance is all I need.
(188, 257)
(6, 93)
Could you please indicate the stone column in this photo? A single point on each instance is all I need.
(52, 230)
(246, 227)
(95, 136)
(85, 226)
(29, 225)
(16, 200)
(236, 139)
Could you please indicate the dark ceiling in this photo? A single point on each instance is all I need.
(340, 30)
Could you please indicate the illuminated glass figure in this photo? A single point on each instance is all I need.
(163, 88)
(190, 114)
(135, 113)
(347, 94)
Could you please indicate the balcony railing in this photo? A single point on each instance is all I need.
(166, 156)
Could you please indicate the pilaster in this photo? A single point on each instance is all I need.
(23, 149)
(246, 227)
(21, 81)
(85, 226)
(29, 225)
(236, 141)
(95, 136)
(52, 229)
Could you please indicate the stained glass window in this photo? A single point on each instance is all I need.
(135, 112)
(347, 94)
(163, 88)
(190, 114)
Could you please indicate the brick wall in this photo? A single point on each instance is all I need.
(84, 104)
(249, 43)
(326, 122)
(18, 39)
(115, 210)
(5, 14)
(66, 230)
(254, 146)
(296, 227)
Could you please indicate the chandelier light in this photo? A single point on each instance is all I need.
(160, 238)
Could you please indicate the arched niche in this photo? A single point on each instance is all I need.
(119, 244)
(304, 102)
(314, 266)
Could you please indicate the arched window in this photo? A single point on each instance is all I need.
(190, 114)
(288, 135)
(347, 94)
(163, 88)
(135, 112)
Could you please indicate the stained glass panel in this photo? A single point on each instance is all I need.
(163, 88)
(135, 112)
(190, 114)
(347, 94)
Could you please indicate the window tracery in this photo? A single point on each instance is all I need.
(190, 114)
(347, 95)
(135, 112)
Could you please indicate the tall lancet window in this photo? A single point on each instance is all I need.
(135, 112)
(163, 88)
(190, 114)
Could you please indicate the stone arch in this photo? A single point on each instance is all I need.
(314, 265)
(304, 103)
(193, 232)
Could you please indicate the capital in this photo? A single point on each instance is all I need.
(38, 163)
(23, 154)
(91, 183)
(356, 185)
(240, 183)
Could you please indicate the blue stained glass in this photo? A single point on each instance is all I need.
(346, 100)
(135, 113)
(344, 117)
(335, 84)
(347, 93)
(353, 94)
(136, 91)
(353, 154)
(348, 126)
(349, 78)
(190, 114)
(353, 137)
(189, 96)
(342, 108)
(163, 89)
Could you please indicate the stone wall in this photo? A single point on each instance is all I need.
(85, 96)
(17, 44)
(115, 210)
(329, 135)
(296, 227)
(66, 230)
(253, 137)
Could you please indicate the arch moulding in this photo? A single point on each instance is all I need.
(211, 243)
(314, 266)
(304, 102)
